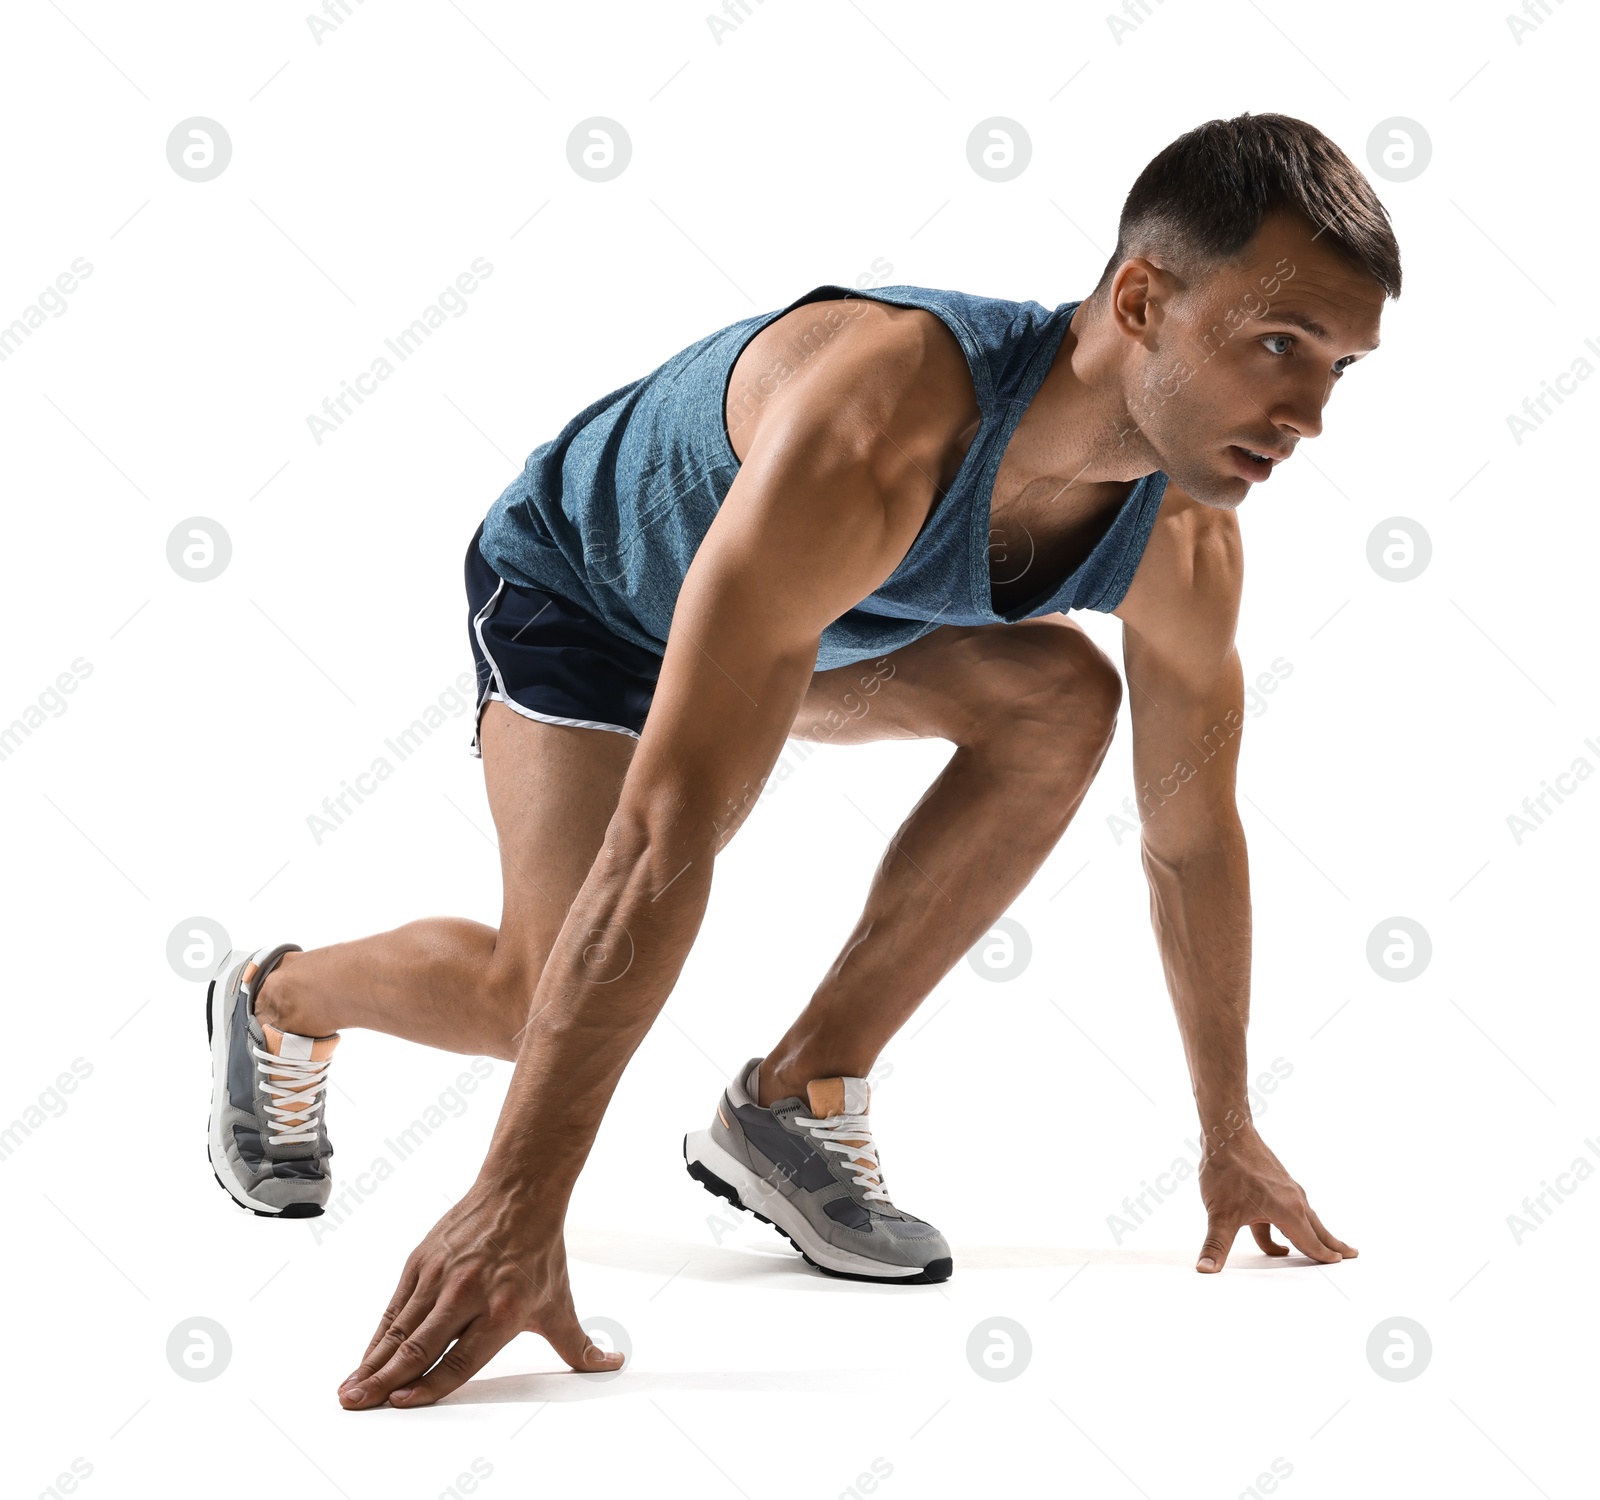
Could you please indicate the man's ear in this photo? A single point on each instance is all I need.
(1140, 290)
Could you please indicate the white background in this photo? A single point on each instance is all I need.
(368, 171)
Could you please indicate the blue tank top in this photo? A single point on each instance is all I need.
(610, 511)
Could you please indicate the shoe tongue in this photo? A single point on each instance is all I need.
(838, 1096)
(300, 1048)
(287, 1044)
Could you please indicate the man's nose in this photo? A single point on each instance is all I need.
(1301, 414)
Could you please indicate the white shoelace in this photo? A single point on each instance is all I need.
(296, 1095)
(851, 1137)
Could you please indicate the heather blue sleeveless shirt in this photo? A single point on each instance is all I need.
(610, 511)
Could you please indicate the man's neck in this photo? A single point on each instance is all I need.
(1077, 429)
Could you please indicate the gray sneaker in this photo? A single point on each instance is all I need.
(809, 1168)
(268, 1145)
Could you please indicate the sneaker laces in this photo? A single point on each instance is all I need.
(295, 1086)
(851, 1137)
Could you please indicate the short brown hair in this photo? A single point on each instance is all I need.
(1201, 200)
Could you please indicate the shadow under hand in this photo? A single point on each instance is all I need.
(570, 1385)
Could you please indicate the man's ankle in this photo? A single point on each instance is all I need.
(278, 1003)
(776, 1081)
(772, 1085)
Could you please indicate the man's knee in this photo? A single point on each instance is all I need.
(1054, 685)
(512, 977)
(1091, 685)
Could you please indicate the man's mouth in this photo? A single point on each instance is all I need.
(1253, 464)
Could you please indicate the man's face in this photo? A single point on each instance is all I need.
(1245, 359)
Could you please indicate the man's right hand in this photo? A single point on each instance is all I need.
(487, 1271)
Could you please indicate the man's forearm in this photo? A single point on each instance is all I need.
(1200, 909)
(613, 964)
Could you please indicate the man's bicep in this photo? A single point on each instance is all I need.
(803, 534)
(1185, 680)
(1187, 722)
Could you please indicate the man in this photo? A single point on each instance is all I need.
(862, 516)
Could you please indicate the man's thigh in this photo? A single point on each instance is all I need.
(958, 683)
(552, 790)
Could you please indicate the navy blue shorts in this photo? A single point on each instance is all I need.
(547, 659)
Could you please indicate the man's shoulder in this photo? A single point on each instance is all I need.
(890, 383)
(907, 360)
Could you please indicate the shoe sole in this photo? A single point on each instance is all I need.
(724, 1176)
(216, 1155)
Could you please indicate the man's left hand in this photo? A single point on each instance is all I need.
(1242, 1182)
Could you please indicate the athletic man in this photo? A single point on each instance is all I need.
(862, 516)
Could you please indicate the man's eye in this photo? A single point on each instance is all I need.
(1339, 365)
